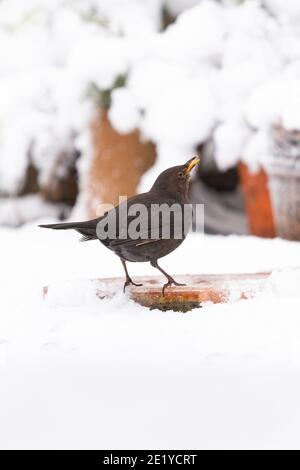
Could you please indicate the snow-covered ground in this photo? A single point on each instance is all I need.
(77, 372)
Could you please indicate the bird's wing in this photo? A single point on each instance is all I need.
(130, 242)
(156, 229)
(88, 230)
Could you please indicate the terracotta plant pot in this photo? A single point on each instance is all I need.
(285, 193)
(197, 289)
(118, 162)
(284, 178)
(257, 202)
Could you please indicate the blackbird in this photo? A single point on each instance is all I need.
(151, 234)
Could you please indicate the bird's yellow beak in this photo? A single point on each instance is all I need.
(192, 163)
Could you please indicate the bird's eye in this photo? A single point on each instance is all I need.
(180, 174)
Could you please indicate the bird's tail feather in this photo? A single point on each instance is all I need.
(87, 229)
(64, 225)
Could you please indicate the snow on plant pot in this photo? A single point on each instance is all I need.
(284, 180)
(257, 201)
(118, 159)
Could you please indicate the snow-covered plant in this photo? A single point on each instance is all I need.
(51, 54)
(221, 71)
(102, 97)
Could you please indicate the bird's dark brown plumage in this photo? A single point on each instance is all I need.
(171, 187)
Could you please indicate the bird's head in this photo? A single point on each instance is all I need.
(176, 179)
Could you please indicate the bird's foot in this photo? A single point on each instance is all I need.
(171, 282)
(129, 282)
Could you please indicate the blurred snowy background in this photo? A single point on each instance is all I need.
(96, 98)
(188, 75)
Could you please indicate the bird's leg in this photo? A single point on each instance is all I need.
(170, 278)
(128, 279)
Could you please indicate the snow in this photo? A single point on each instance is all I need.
(124, 114)
(50, 55)
(229, 140)
(257, 150)
(175, 7)
(114, 60)
(285, 282)
(78, 372)
(289, 11)
(197, 35)
(167, 118)
(15, 211)
(220, 71)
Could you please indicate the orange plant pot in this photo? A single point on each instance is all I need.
(118, 163)
(257, 202)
